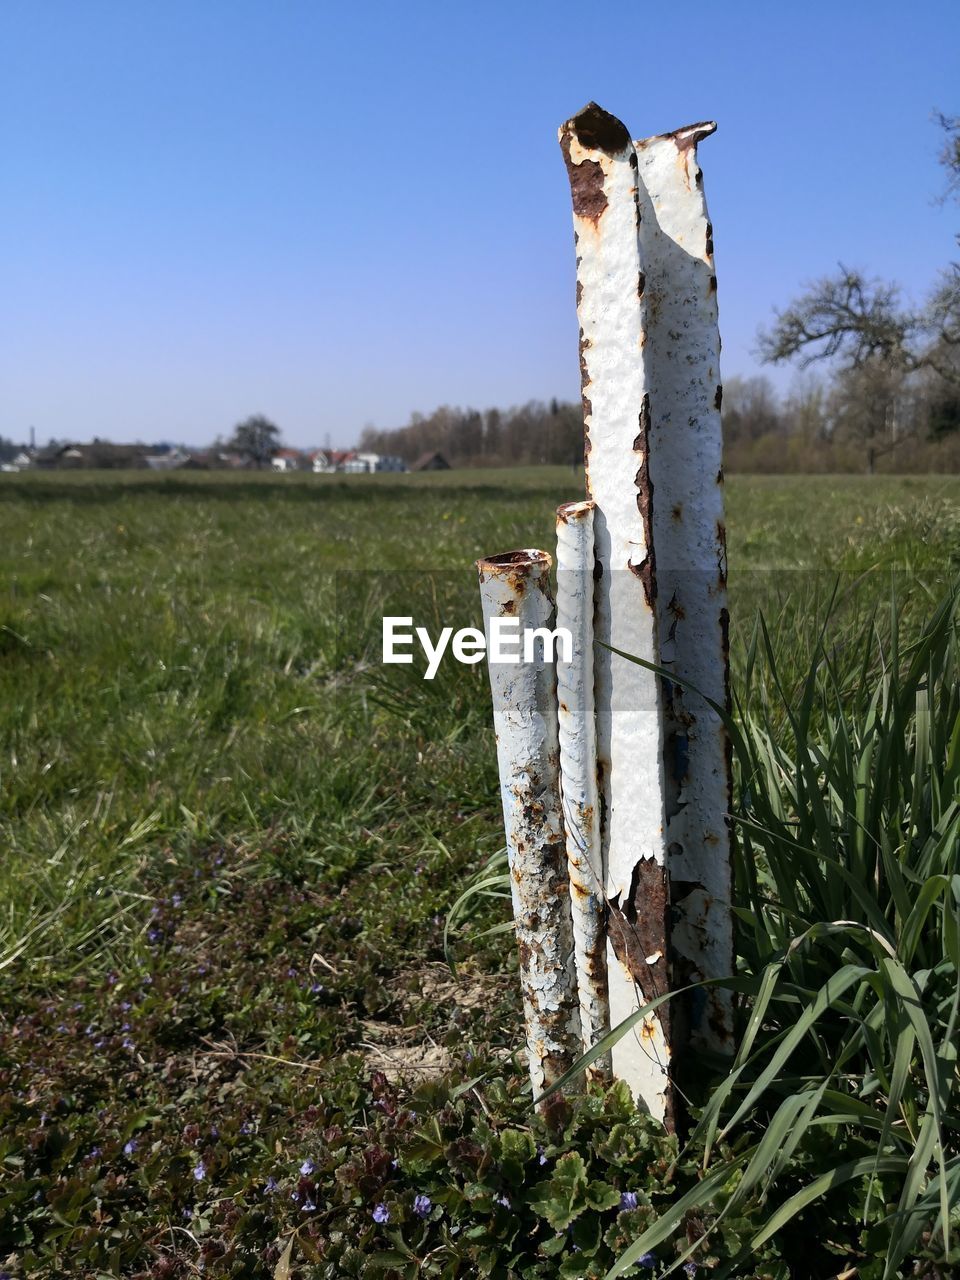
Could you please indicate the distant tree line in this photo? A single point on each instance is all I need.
(856, 419)
(530, 433)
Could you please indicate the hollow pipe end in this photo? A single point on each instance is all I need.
(508, 562)
(567, 512)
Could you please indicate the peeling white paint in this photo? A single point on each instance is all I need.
(682, 357)
(602, 165)
(517, 585)
(578, 771)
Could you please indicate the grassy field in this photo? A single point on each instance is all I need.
(229, 841)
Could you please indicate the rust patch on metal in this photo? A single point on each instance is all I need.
(637, 928)
(595, 130)
(686, 137)
(586, 184)
(646, 571)
(598, 130)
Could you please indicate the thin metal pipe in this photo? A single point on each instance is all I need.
(516, 586)
(602, 167)
(578, 773)
(682, 357)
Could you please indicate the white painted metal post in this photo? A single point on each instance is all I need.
(516, 587)
(682, 357)
(602, 166)
(578, 772)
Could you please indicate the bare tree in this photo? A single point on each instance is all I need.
(876, 342)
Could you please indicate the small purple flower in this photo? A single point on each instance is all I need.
(690, 1268)
(246, 1127)
(153, 935)
(98, 1044)
(112, 979)
(270, 1185)
(647, 1260)
(199, 1171)
(126, 1006)
(214, 1131)
(295, 1197)
(628, 1201)
(176, 899)
(291, 972)
(61, 1028)
(308, 1207)
(94, 1153)
(307, 1167)
(201, 969)
(316, 988)
(504, 1200)
(128, 1044)
(381, 1213)
(130, 1147)
(422, 1206)
(541, 1158)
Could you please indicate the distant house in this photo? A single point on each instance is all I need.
(431, 462)
(368, 463)
(288, 460)
(98, 455)
(168, 460)
(327, 461)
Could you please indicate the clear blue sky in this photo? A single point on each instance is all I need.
(336, 214)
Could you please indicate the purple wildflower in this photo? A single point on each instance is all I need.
(541, 1158)
(200, 1171)
(504, 1200)
(176, 899)
(125, 1005)
(307, 1167)
(214, 1131)
(246, 1127)
(308, 1206)
(94, 1152)
(690, 1268)
(628, 1201)
(381, 1213)
(130, 1147)
(270, 1185)
(647, 1260)
(422, 1206)
(153, 935)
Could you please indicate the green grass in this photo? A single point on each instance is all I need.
(191, 709)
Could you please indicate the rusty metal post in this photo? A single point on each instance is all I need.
(682, 358)
(602, 165)
(578, 772)
(516, 587)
